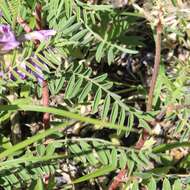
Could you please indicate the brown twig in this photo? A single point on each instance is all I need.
(145, 133)
(45, 100)
(156, 65)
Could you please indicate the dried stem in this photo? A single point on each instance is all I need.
(156, 66)
(145, 133)
(45, 100)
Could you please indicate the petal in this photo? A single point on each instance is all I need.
(6, 47)
(39, 35)
(6, 35)
(1, 74)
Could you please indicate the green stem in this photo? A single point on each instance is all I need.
(165, 147)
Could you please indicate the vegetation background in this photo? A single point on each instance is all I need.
(73, 105)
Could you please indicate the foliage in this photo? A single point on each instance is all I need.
(97, 116)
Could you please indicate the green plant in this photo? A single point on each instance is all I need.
(96, 116)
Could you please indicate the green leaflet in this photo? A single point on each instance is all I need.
(100, 52)
(114, 113)
(79, 35)
(70, 87)
(85, 92)
(71, 29)
(68, 7)
(110, 55)
(100, 149)
(96, 101)
(152, 184)
(177, 185)
(89, 154)
(101, 78)
(56, 85)
(166, 184)
(106, 107)
(122, 159)
(67, 24)
(39, 185)
(77, 87)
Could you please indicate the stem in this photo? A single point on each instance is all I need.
(45, 90)
(156, 66)
(45, 100)
(145, 133)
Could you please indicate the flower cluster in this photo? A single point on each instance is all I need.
(8, 42)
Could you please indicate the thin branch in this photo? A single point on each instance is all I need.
(156, 66)
(45, 100)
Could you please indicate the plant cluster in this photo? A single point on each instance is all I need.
(94, 94)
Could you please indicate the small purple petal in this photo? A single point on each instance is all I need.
(1, 14)
(39, 35)
(5, 47)
(7, 39)
(1, 74)
(6, 34)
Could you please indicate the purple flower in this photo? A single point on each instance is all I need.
(7, 39)
(9, 42)
(1, 14)
(39, 35)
